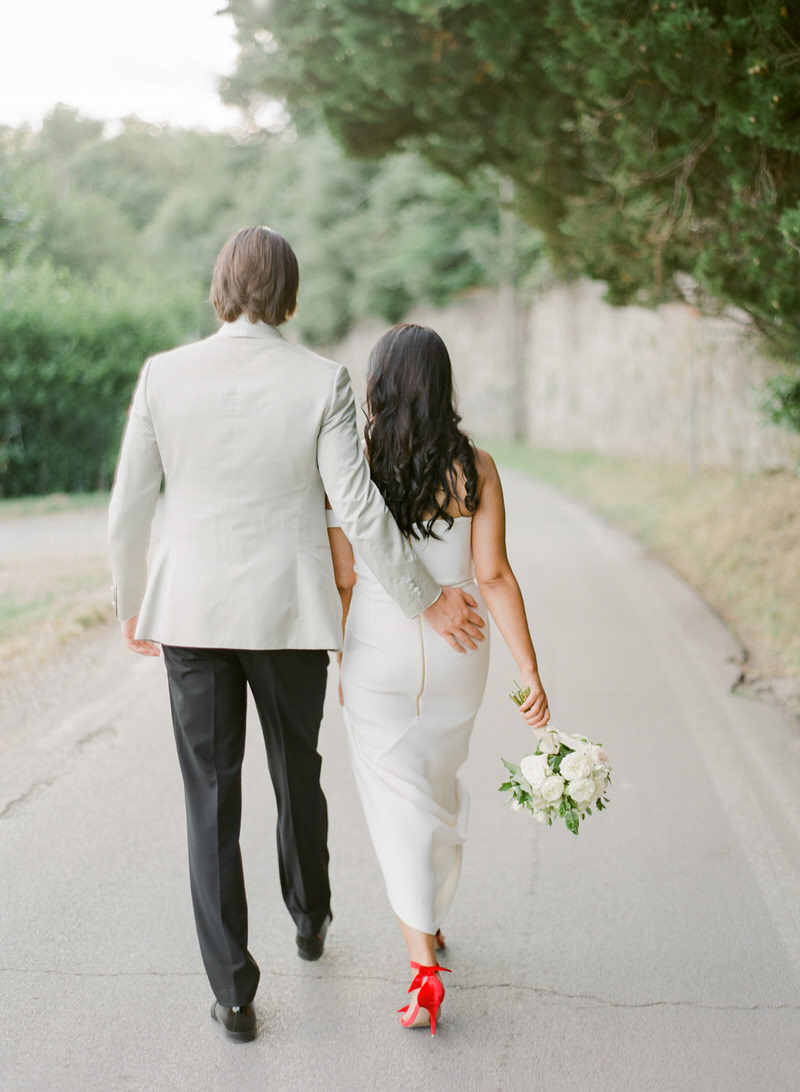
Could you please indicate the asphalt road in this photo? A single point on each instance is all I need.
(658, 950)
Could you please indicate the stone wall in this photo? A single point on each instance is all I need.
(573, 373)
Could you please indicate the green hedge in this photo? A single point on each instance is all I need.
(70, 352)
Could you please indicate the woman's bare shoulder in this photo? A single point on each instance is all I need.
(486, 468)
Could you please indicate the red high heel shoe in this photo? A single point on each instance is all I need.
(430, 994)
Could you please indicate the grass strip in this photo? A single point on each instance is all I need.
(53, 502)
(45, 602)
(734, 536)
(42, 607)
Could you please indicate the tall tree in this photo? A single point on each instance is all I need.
(647, 139)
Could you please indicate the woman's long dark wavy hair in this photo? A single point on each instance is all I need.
(414, 444)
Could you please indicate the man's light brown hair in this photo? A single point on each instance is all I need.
(256, 275)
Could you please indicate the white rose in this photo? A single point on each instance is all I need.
(599, 758)
(600, 778)
(541, 816)
(552, 788)
(576, 765)
(516, 805)
(582, 790)
(548, 744)
(534, 769)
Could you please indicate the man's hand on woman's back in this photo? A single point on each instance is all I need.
(454, 618)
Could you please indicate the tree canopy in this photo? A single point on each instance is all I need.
(647, 140)
(107, 243)
(151, 202)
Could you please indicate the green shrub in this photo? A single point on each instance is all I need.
(70, 352)
(782, 401)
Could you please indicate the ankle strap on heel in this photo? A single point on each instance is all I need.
(424, 972)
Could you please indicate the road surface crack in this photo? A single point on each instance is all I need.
(451, 987)
(557, 994)
(43, 783)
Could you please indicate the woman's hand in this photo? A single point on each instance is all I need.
(534, 710)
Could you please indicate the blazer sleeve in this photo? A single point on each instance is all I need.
(360, 508)
(133, 500)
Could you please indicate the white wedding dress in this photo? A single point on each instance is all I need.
(409, 704)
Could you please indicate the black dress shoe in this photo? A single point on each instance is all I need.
(239, 1026)
(311, 948)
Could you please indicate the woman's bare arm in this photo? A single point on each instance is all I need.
(343, 570)
(344, 574)
(500, 588)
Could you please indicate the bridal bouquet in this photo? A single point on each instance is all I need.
(564, 778)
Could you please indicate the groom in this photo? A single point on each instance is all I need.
(250, 432)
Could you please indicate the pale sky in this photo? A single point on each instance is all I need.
(159, 59)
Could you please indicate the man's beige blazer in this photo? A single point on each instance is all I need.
(249, 432)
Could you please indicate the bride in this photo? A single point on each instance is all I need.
(409, 699)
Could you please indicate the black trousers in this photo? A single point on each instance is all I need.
(208, 694)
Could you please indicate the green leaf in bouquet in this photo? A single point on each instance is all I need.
(506, 786)
(512, 767)
(572, 818)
